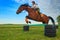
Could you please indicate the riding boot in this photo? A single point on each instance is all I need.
(38, 12)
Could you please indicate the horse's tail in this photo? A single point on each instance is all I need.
(52, 20)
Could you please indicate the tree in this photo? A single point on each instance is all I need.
(58, 19)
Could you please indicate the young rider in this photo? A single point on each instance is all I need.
(35, 7)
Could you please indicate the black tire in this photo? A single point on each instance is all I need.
(50, 31)
(26, 28)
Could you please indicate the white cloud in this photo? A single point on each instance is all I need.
(20, 1)
(17, 1)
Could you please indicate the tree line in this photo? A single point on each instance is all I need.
(58, 20)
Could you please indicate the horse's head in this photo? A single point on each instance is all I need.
(21, 8)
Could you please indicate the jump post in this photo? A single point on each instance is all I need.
(50, 31)
(26, 28)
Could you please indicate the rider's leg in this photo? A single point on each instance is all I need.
(36, 11)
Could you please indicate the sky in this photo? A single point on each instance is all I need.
(8, 10)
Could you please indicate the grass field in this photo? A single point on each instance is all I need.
(15, 32)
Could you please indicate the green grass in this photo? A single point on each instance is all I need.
(15, 32)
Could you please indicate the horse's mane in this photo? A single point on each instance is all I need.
(25, 5)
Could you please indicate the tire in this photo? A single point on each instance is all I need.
(50, 31)
(26, 28)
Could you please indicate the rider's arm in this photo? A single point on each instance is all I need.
(35, 6)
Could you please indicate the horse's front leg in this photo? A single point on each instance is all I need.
(27, 20)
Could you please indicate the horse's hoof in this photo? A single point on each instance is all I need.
(29, 22)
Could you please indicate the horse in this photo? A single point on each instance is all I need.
(32, 15)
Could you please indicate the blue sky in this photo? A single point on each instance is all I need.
(8, 10)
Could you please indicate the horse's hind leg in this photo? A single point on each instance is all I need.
(46, 22)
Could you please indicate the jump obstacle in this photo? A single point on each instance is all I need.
(49, 30)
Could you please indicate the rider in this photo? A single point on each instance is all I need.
(35, 7)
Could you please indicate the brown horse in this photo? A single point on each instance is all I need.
(33, 15)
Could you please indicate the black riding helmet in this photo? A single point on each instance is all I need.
(33, 2)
